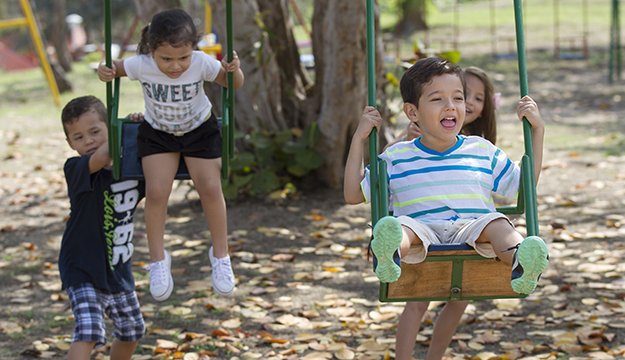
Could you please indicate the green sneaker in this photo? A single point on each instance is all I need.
(387, 235)
(529, 261)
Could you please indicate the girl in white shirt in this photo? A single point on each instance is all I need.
(179, 122)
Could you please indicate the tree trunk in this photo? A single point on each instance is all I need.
(277, 93)
(293, 75)
(148, 8)
(61, 79)
(340, 93)
(258, 103)
(59, 35)
(413, 16)
(59, 73)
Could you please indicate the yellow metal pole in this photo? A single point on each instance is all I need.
(43, 57)
(13, 23)
(208, 18)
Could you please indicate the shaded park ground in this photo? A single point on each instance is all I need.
(305, 288)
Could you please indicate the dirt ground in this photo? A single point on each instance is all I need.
(305, 288)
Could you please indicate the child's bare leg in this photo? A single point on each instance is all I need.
(159, 171)
(502, 236)
(206, 176)
(408, 239)
(408, 328)
(445, 327)
(80, 350)
(122, 350)
(528, 257)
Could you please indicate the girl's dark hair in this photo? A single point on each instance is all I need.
(485, 125)
(81, 105)
(422, 73)
(174, 27)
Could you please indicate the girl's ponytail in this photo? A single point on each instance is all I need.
(144, 48)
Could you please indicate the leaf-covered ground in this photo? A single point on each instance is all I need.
(305, 289)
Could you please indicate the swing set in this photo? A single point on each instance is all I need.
(457, 271)
(29, 21)
(123, 131)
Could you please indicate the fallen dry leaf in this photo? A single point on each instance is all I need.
(344, 354)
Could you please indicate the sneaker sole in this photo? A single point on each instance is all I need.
(167, 293)
(532, 256)
(223, 293)
(387, 236)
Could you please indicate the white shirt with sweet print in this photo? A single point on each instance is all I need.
(176, 106)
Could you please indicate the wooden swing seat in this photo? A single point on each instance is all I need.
(451, 272)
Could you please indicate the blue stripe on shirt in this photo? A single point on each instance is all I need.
(440, 169)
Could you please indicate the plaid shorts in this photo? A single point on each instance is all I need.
(89, 306)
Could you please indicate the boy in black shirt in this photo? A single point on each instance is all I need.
(97, 244)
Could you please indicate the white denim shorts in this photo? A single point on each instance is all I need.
(449, 232)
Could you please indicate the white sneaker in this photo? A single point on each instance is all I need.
(222, 276)
(161, 281)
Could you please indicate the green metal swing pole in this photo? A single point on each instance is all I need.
(531, 212)
(377, 173)
(230, 45)
(373, 137)
(109, 86)
(227, 102)
(112, 98)
(614, 64)
(617, 34)
(612, 42)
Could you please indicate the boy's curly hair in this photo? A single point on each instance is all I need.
(80, 105)
(421, 73)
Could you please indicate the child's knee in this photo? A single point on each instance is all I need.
(416, 308)
(157, 193)
(210, 190)
(462, 304)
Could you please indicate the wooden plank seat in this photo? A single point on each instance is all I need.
(451, 272)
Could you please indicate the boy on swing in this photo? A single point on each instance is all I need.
(440, 191)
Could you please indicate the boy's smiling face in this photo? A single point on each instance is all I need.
(441, 112)
(87, 133)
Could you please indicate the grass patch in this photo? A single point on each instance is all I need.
(32, 269)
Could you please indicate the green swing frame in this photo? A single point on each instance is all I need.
(122, 131)
(453, 272)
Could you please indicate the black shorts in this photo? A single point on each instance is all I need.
(202, 142)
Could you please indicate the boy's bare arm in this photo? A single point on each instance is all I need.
(354, 168)
(528, 108)
(99, 159)
(354, 173)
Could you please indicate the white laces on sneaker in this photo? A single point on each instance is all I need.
(222, 269)
(158, 273)
(222, 275)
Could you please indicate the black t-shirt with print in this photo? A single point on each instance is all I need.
(97, 242)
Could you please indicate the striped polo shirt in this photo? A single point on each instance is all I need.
(452, 186)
